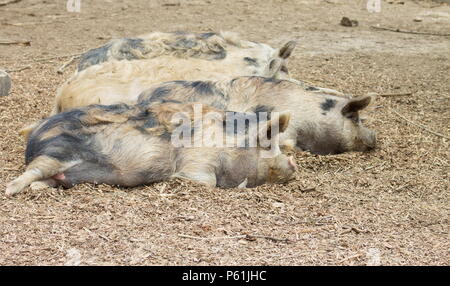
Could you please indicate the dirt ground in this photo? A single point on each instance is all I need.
(390, 206)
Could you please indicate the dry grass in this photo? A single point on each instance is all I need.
(339, 211)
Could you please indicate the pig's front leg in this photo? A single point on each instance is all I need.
(207, 178)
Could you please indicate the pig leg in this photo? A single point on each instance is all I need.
(194, 173)
(42, 167)
(196, 166)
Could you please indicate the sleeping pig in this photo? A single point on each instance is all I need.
(135, 145)
(224, 48)
(322, 122)
(119, 71)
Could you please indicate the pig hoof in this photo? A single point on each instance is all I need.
(13, 188)
(39, 186)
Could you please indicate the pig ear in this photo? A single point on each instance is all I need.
(283, 123)
(287, 49)
(275, 65)
(356, 104)
(96, 116)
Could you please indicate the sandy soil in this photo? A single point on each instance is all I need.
(388, 207)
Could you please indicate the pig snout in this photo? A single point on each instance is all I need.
(369, 139)
(292, 164)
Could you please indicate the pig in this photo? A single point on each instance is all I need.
(322, 122)
(135, 145)
(123, 81)
(119, 71)
(224, 48)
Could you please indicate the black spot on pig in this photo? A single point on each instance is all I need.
(169, 101)
(100, 55)
(272, 80)
(145, 116)
(94, 57)
(251, 61)
(159, 93)
(184, 44)
(203, 87)
(65, 148)
(328, 104)
(208, 89)
(220, 54)
(68, 120)
(70, 144)
(166, 135)
(114, 108)
(134, 43)
(312, 88)
(216, 52)
(150, 121)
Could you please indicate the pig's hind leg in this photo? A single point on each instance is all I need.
(41, 168)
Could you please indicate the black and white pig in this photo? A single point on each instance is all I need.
(322, 122)
(224, 48)
(133, 145)
(119, 71)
